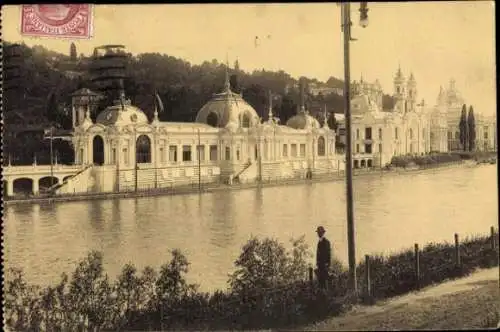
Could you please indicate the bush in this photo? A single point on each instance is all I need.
(269, 289)
(424, 160)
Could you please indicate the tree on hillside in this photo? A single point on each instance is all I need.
(257, 96)
(463, 128)
(333, 82)
(288, 108)
(332, 121)
(471, 121)
(72, 52)
(233, 82)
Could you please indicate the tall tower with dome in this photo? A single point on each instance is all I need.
(412, 94)
(399, 92)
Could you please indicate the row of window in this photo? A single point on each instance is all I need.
(368, 148)
(368, 133)
(143, 152)
(186, 154)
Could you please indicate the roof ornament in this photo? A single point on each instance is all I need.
(325, 119)
(399, 74)
(270, 113)
(227, 84)
(121, 97)
(155, 114)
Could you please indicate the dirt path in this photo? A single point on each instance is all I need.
(471, 302)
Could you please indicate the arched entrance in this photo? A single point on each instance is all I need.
(321, 146)
(245, 122)
(356, 163)
(23, 186)
(370, 163)
(143, 149)
(213, 119)
(363, 163)
(47, 182)
(98, 150)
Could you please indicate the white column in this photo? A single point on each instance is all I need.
(73, 116)
(36, 188)
(10, 187)
(90, 151)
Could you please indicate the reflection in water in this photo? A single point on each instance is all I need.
(391, 212)
(222, 228)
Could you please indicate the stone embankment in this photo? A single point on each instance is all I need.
(206, 188)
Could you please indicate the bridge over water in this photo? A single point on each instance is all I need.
(20, 178)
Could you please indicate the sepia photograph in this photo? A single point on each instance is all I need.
(250, 166)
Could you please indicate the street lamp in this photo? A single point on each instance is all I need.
(346, 29)
(363, 14)
(51, 138)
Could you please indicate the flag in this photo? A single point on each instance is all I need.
(159, 102)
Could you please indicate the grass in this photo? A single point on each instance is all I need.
(467, 309)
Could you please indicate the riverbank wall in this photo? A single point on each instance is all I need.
(213, 187)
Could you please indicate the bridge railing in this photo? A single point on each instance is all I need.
(35, 169)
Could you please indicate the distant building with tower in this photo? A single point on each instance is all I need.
(411, 127)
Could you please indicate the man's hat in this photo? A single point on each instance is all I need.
(320, 229)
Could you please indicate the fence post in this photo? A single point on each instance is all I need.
(492, 232)
(417, 266)
(368, 278)
(311, 276)
(457, 251)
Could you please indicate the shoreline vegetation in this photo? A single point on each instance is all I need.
(399, 165)
(271, 287)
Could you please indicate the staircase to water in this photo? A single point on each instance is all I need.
(245, 167)
(58, 186)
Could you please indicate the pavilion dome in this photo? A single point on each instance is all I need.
(122, 113)
(303, 120)
(228, 110)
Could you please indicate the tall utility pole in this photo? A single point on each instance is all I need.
(136, 166)
(346, 28)
(199, 161)
(51, 158)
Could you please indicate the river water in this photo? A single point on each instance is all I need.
(392, 212)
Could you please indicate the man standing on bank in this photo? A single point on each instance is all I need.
(323, 258)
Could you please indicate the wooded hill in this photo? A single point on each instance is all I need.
(38, 82)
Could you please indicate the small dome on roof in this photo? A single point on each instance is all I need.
(122, 113)
(303, 121)
(228, 109)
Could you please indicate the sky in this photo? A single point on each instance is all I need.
(437, 41)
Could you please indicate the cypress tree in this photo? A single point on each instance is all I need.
(471, 122)
(463, 128)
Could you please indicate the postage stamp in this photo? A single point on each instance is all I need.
(65, 21)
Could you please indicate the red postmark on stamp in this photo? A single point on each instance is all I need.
(66, 21)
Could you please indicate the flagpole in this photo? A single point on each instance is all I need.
(199, 161)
